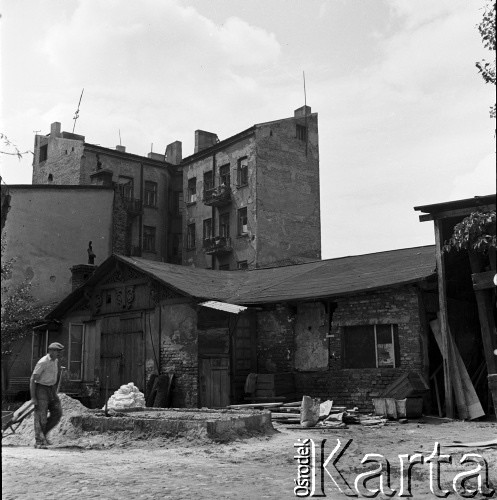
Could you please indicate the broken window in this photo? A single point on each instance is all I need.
(192, 190)
(208, 181)
(370, 346)
(242, 221)
(76, 336)
(148, 239)
(242, 264)
(224, 225)
(190, 236)
(43, 153)
(150, 194)
(207, 229)
(126, 187)
(301, 132)
(224, 175)
(242, 172)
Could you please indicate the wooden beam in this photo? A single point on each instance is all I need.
(460, 212)
(444, 318)
(486, 316)
(483, 281)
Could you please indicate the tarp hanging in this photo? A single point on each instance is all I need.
(224, 306)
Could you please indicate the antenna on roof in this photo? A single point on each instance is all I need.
(120, 137)
(305, 115)
(76, 115)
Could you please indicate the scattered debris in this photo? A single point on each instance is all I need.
(479, 444)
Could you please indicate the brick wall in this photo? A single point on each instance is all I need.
(356, 387)
(121, 242)
(275, 340)
(179, 352)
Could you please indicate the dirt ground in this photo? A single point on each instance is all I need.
(122, 465)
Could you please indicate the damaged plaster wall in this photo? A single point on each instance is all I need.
(275, 340)
(311, 344)
(179, 352)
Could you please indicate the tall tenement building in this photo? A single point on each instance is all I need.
(248, 201)
(147, 211)
(252, 200)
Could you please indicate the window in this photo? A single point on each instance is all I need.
(190, 236)
(207, 229)
(208, 181)
(50, 178)
(242, 264)
(76, 335)
(148, 239)
(126, 187)
(178, 203)
(224, 267)
(224, 225)
(40, 342)
(301, 132)
(43, 153)
(150, 195)
(242, 172)
(192, 190)
(224, 175)
(242, 221)
(371, 346)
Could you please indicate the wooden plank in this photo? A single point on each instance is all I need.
(460, 212)
(484, 280)
(444, 320)
(485, 313)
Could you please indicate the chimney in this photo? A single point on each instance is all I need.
(174, 153)
(302, 112)
(121, 149)
(81, 273)
(204, 140)
(55, 129)
(155, 156)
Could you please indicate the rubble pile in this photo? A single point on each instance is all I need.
(127, 396)
(25, 434)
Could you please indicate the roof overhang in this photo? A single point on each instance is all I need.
(224, 306)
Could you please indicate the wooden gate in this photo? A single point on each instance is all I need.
(122, 353)
(214, 382)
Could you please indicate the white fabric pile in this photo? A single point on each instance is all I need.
(127, 396)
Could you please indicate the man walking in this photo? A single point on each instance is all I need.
(43, 388)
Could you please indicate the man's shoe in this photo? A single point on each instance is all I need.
(47, 442)
(41, 446)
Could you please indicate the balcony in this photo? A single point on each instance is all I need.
(218, 245)
(133, 206)
(217, 197)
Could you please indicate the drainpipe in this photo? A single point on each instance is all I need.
(140, 219)
(213, 208)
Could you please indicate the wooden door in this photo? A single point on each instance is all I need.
(122, 354)
(214, 382)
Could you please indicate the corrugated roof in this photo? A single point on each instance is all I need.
(223, 306)
(313, 280)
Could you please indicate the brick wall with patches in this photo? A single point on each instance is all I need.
(179, 352)
(275, 339)
(357, 386)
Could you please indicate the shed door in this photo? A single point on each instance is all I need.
(122, 354)
(214, 382)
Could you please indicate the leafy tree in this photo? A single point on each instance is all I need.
(12, 149)
(487, 33)
(20, 311)
(476, 232)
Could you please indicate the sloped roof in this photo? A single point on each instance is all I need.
(309, 281)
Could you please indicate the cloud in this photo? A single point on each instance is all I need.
(478, 182)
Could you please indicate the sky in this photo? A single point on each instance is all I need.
(403, 113)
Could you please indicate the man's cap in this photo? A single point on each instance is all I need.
(56, 345)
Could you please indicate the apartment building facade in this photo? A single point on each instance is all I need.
(252, 200)
(149, 188)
